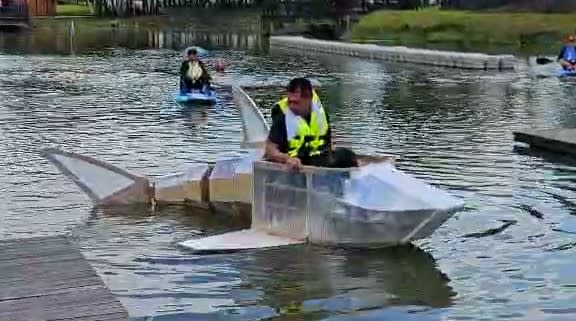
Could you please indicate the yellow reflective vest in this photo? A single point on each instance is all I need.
(302, 136)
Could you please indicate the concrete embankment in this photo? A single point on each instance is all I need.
(400, 54)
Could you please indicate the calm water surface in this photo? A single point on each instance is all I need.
(508, 256)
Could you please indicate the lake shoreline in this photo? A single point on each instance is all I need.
(516, 32)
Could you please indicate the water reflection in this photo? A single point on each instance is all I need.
(76, 36)
(307, 281)
(228, 39)
(509, 255)
(313, 280)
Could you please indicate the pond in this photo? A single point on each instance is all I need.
(104, 91)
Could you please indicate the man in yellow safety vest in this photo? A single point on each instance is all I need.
(300, 133)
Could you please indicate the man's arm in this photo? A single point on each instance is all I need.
(329, 139)
(274, 154)
(205, 73)
(276, 139)
(561, 54)
(183, 68)
(275, 112)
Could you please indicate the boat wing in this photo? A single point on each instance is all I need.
(238, 240)
(104, 183)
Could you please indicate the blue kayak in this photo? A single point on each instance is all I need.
(563, 72)
(195, 96)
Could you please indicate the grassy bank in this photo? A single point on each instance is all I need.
(480, 28)
(72, 10)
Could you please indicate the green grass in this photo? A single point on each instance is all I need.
(72, 10)
(434, 25)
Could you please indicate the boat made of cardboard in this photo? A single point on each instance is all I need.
(369, 206)
(374, 205)
(318, 205)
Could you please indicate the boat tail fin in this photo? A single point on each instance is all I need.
(254, 125)
(104, 183)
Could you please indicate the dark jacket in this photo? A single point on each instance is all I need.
(184, 70)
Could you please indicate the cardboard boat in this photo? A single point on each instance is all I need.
(372, 205)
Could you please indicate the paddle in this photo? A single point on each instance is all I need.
(544, 60)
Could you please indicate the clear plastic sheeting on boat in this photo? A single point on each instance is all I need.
(373, 205)
(188, 185)
(280, 201)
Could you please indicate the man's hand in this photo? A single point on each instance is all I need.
(294, 163)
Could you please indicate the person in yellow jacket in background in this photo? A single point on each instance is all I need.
(300, 133)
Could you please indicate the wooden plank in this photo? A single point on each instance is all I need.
(55, 280)
(38, 290)
(94, 294)
(56, 313)
(115, 316)
(34, 240)
(42, 260)
(23, 281)
(46, 270)
(561, 140)
(34, 254)
(10, 255)
(47, 278)
(43, 241)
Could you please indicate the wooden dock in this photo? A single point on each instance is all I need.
(555, 140)
(47, 278)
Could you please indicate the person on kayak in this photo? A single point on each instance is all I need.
(567, 55)
(301, 135)
(193, 73)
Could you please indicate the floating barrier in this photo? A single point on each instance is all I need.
(452, 59)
